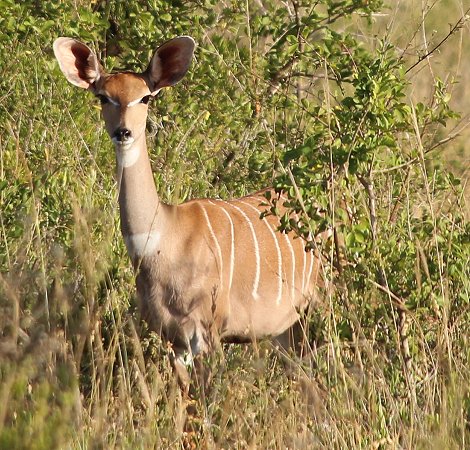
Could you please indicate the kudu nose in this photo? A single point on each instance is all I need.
(122, 134)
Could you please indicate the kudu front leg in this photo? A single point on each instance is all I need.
(181, 363)
(194, 376)
(191, 368)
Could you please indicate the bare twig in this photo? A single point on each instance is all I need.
(457, 25)
(394, 213)
(299, 42)
(398, 302)
(369, 187)
(452, 135)
(280, 75)
(399, 166)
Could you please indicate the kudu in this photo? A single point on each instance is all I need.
(207, 270)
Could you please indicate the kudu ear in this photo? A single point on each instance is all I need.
(78, 63)
(169, 63)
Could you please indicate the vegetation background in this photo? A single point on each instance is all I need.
(348, 105)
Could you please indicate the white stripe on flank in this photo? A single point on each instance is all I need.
(304, 254)
(310, 271)
(304, 257)
(232, 246)
(292, 292)
(217, 246)
(279, 255)
(256, 246)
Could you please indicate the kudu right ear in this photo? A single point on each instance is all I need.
(77, 62)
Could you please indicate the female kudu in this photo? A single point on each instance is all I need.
(207, 270)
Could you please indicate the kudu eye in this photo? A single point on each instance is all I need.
(103, 99)
(145, 99)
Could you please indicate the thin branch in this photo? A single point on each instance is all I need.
(400, 166)
(369, 187)
(300, 43)
(458, 25)
(398, 302)
(280, 75)
(450, 137)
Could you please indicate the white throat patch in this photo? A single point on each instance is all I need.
(126, 155)
(142, 244)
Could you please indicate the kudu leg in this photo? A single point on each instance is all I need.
(194, 376)
(191, 363)
(180, 368)
(293, 340)
(295, 349)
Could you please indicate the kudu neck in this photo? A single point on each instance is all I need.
(139, 205)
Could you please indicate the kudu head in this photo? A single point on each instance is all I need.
(124, 96)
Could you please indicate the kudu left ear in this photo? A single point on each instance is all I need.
(169, 63)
